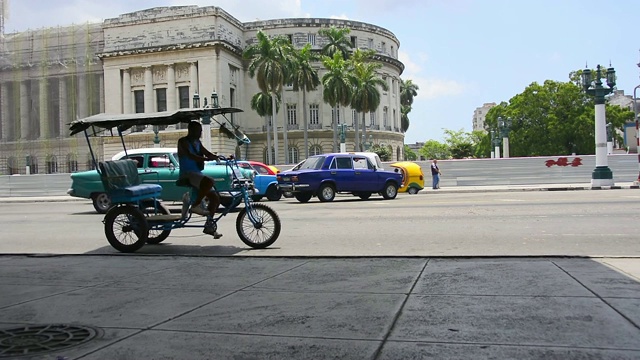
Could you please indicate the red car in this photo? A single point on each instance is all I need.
(262, 169)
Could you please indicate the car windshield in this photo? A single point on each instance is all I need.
(314, 162)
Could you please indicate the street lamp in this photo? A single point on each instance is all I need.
(601, 175)
(505, 128)
(156, 138)
(495, 141)
(343, 135)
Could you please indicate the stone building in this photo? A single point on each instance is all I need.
(480, 115)
(158, 59)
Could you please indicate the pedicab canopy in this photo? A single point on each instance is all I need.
(123, 122)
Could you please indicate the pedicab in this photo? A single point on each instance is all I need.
(139, 217)
(412, 176)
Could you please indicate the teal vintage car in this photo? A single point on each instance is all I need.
(155, 165)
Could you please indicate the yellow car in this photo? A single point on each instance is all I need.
(412, 176)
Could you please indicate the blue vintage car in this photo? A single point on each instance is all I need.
(264, 181)
(327, 174)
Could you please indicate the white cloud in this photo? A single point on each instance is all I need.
(429, 88)
(339, 17)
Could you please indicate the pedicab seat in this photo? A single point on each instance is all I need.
(122, 182)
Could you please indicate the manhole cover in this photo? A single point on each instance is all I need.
(38, 339)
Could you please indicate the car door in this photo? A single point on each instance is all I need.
(365, 176)
(341, 172)
(167, 174)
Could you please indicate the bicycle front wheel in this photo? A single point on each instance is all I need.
(258, 225)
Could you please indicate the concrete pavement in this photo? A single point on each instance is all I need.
(157, 307)
(131, 306)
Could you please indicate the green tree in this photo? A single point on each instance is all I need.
(461, 144)
(383, 152)
(404, 117)
(409, 154)
(433, 149)
(304, 77)
(555, 118)
(365, 81)
(337, 89)
(267, 62)
(408, 90)
(337, 41)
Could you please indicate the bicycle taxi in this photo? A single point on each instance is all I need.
(138, 216)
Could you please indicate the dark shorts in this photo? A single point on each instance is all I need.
(194, 178)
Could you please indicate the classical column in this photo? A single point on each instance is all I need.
(148, 90)
(83, 109)
(172, 100)
(24, 111)
(101, 91)
(44, 109)
(4, 111)
(63, 109)
(193, 77)
(126, 92)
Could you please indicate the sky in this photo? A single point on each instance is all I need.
(461, 53)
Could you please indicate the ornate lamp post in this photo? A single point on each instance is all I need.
(495, 141)
(343, 135)
(602, 175)
(505, 128)
(206, 118)
(156, 138)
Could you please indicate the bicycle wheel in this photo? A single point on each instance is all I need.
(258, 225)
(126, 228)
(156, 236)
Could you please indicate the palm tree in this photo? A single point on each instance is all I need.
(408, 90)
(336, 84)
(267, 65)
(304, 77)
(404, 117)
(262, 105)
(365, 82)
(337, 41)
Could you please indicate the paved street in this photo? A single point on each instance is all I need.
(441, 223)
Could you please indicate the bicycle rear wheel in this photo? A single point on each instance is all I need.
(258, 225)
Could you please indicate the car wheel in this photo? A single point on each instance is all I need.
(390, 191)
(303, 197)
(273, 194)
(412, 190)
(326, 193)
(101, 202)
(364, 196)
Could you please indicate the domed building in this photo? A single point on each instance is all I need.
(159, 59)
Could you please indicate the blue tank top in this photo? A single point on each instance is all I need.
(187, 164)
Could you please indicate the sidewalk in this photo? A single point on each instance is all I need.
(157, 307)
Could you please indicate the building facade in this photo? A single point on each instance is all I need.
(158, 59)
(480, 114)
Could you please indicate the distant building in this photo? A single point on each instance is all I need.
(416, 149)
(480, 114)
(630, 133)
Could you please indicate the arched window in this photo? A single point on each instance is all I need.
(32, 162)
(51, 164)
(265, 158)
(72, 163)
(294, 155)
(12, 166)
(315, 150)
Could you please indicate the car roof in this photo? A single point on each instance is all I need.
(152, 150)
